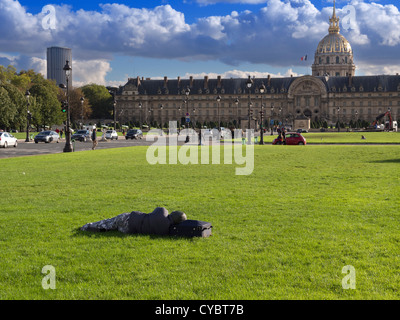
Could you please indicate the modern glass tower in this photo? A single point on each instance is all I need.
(56, 59)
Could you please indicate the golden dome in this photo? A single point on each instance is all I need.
(334, 43)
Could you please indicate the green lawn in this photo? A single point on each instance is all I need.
(284, 232)
(346, 137)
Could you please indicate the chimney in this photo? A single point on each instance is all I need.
(350, 80)
(219, 85)
(138, 81)
(179, 82)
(165, 82)
(205, 82)
(191, 81)
(269, 80)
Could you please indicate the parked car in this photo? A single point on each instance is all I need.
(7, 139)
(111, 134)
(134, 134)
(292, 138)
(302, 131)
(81, 135)
(47, 137)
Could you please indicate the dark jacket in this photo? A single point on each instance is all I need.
(157, 222)
(94, 135)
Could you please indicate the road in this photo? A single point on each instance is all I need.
(31, 148)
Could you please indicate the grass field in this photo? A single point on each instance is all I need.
(284, 232)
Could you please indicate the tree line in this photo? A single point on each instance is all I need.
(45, 100)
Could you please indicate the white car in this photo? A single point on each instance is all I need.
(111, 134)
(7, 139)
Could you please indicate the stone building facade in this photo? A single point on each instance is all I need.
(333, 93)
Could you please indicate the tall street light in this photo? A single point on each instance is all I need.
(28, 114)
(262, 91)
(161, 110)
(187, 92)
(249, 84)
(338, 111)
(82, 101)
(219, 122)
(140, 115)
(237, 112)
(68, 145)
(270, 122)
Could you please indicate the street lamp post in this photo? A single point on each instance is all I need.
(219, 122)
(68, 145)
(187, 92)
(262, 91)
(338, 111)
(161, 118)
(28, 115)
(82, 101)
(237, 112)
(270, 122)
(140, 115)
(249, 84)
(356, 119)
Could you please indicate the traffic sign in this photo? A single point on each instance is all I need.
(187, 120)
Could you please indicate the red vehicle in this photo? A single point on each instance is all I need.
(292, 138)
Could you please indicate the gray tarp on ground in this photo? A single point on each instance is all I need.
(157, 222)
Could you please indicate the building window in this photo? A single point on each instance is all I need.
(327, 60)
(337, 60)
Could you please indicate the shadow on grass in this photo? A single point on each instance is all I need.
(116, 234)
(386, 161)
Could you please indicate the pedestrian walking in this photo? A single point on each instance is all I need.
(94, 139)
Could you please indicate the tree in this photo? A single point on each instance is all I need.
(79, 111)
(7, 111)
(49, 111)
(100, 100)
(18, 104)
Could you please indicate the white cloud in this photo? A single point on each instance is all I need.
(276, 35)
(242, 74)
(370, 70)
(92, 71)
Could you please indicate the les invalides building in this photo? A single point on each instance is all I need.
(333, 93)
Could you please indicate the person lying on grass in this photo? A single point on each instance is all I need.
(158, 222)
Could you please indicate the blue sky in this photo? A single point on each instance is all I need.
(114, 40)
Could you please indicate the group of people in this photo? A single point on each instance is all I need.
(60, 132)
(281, 135)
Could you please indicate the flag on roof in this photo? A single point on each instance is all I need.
(304, 58)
